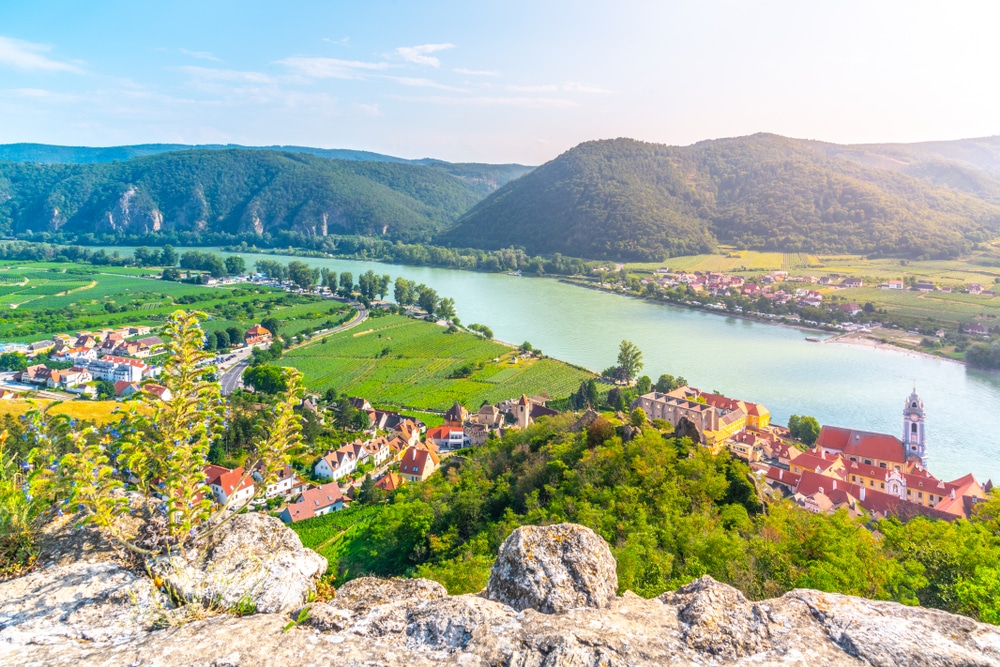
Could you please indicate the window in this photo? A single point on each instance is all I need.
(868, 462)
(881, 485)
(416, 469)
(882, 465)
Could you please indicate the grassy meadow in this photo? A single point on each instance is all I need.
(395, 360)
(39, 299)
(99, 412)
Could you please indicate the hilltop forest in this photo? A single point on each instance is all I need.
(625, 199)
(616, 199)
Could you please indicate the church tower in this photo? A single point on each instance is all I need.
(914, 438)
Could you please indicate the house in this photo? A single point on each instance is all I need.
(124, 388)
(418, 463)
(316, 501)
(976, 329)
(40, 347)
(286, 483)
(138, 331)
(390, 481)
(37, 374)
(448, 436)
(476, 434)
(231, 486)
(408, 431)
(924, 286)
(159, 391)
(257, 335)
(853, 282)
(74, 376)
(456, 414)
(974, 288)
(85, 340)
(851, 309)
(337, 464)
(6, 395)
(893, 284)
(379, 450)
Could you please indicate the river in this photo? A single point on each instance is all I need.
(838, 384)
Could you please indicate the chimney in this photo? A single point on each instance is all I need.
(862, 492)
(781, 474)
(834, 485)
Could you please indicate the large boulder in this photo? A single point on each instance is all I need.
(253, 563)
(82, 602)
(552, 569)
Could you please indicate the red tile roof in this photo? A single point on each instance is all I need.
(229, 479)
(861, 444)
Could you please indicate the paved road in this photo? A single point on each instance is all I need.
(230, 380)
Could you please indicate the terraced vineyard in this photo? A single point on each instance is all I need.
(396, 360)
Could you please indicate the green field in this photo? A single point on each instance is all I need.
(396, 360)
(730, 260)
(39, 299)
(330, 535)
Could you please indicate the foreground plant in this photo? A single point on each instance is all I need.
(160, 450)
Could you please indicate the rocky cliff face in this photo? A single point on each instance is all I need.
(96, 613)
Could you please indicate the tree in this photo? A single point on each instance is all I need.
(105, 389)
(446, 309)
(235, 265)
(168, 256)
(638, 417)
(403, 292)
(427, 299)
(215, 266)
(236, 335)
(143, 256)
(593, 397)
(211, 342)
(346, 283)
(369, 493)
(805, 429)
(644, 385)
(266, 379)
(164, 445)
(383, 285)
(221, 340)
(629, 360)
(13, 361)
(328, 279)
(271, 324)
(301, 274)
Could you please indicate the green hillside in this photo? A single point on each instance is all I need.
(234, 191)
(625, 199)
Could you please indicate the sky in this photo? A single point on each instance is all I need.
(512, 81)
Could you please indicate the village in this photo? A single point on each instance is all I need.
(861, 472)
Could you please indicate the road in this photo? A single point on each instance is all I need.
(230, 379)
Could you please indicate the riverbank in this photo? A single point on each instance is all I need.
(857, 339)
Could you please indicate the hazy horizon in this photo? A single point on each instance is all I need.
(517, 83)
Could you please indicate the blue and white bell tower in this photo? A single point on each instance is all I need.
(914, 438)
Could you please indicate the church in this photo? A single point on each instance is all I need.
(882, 473)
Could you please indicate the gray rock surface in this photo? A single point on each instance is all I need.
(412, 622)
(553, 569)
(254, 561)
(85, 602)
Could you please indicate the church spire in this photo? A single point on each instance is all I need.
(914, 436)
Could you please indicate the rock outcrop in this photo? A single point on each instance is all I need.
(252, 563)
(553, 569)
(413, 622)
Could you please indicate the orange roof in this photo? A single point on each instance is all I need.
(390, 482)
(257, 330)
(229, 479)
(861, 444)
(415, 460)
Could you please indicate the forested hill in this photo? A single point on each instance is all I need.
(625, 199)
(236, 191)
(484, 177)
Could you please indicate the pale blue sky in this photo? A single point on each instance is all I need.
(493, 81)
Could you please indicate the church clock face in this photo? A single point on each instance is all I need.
(914, 417)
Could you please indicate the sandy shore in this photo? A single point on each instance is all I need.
(865, 340)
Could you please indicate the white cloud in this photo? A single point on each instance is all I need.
(583, 88)
(418, 54)
(215, 74)
(484, 101)
(425, 83)
(549, 88)
(331, 68)
(31, 56)
(200, 55)
(476, 72)
(370, 109)
(346, 41)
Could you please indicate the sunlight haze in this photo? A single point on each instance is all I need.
(494, 82)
